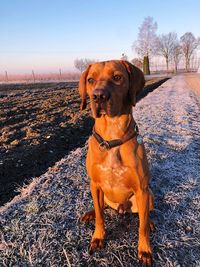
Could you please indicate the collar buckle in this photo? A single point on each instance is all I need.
(104, 146)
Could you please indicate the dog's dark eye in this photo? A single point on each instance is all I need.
(117, 77)
(91, 80)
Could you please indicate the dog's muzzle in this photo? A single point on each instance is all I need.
(100, 96)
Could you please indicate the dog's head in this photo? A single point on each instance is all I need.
(112, 87)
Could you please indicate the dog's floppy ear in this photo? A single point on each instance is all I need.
(82, 88)
(136, 80)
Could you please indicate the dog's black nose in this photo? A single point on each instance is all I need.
(100, 95)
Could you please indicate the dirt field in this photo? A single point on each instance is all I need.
(40, 123)
(193, 81)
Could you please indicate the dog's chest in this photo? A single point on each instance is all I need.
(112, 165)
(113, 176)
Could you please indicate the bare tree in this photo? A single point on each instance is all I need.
(137, 62)
(176, 55)
(82, 63)
(165, 45)
(189, 44)
(145, 44)
(79, 64)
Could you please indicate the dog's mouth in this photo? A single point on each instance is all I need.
(102, 110)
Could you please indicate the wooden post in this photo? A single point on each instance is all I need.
(33, 76)
(60, 73)
(6, 74)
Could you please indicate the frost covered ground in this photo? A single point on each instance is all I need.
(42, 228)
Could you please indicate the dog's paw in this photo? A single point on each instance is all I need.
(145, 258)
(96, 244)
(88, 216)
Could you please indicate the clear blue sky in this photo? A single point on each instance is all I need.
(46, 35)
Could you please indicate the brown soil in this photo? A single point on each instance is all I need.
(193, 81)
(40, 123)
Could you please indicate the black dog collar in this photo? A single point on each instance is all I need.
(105, 145)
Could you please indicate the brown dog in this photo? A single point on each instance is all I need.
(116, 160)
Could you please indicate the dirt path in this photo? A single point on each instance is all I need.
(193, 81)
(42, 227)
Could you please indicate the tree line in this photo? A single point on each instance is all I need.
(149, 45)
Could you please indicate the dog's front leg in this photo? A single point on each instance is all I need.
(144, 246)
(97, 241)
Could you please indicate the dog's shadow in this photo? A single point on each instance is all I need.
(119, 225)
